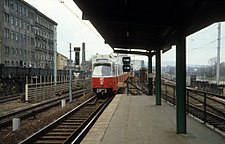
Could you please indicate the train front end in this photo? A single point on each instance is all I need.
(103, 79)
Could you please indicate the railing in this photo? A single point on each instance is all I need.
(41, 91)
(208, 107)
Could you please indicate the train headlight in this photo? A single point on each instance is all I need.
(101, 81)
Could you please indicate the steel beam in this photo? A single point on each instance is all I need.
(150, 76)
(158, 77)
(181, 82)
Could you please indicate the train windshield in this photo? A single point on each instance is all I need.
(102, 70)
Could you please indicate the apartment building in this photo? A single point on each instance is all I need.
(61, 62)
(27, 36)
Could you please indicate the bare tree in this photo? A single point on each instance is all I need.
(211, 70)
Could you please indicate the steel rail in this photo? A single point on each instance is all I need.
(5, 119)
(69, 126)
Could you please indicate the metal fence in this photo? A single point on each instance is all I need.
(36, 92)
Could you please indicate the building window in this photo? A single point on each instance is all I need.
(6, 50)
(21, 51)
(28, 40)
(6, 33)
(16, 36)
(24, 25)
(27, 13)
(20, 23)
(21, 38)
(11, 19)
(32, 41)
(12, 35)
(28, 26)
(25, 52)
(21, 10)
(17, 7)
(24, 11)
(12, 4)
(6, 17)
(37, 19)
(13, 51)
(16, 21)
(25, 38)
(17, 51)
(6, 3)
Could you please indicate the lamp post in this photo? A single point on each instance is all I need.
(76, 49)
(70, 81)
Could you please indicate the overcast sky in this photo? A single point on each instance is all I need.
(201, 46)
(71, 29)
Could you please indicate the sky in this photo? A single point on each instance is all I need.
(201, 46)
(70, 28)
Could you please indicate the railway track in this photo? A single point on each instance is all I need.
(23, 113)
(207, 113)
(4, 99)
(71, 127)
(212, 119)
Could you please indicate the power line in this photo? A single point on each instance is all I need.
(70, 10)
(203, 46)
(212, 27)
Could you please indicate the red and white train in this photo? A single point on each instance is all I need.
(107, 74)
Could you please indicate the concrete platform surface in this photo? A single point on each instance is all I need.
(137, 120)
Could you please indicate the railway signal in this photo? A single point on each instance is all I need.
(77, 55)
(126, 64)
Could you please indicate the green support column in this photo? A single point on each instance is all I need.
(150, 74)
(181, 82)
(158, 77)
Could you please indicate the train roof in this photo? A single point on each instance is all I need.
(108, 58)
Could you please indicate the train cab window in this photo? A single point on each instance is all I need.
(102, 70)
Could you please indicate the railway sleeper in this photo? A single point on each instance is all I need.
(59, 133)
(76, 120)
(90, 108)
(49, 142)
(49, 137)
(86, 113)
(63, 130)
(72, 123)
(81, 115)
(75, 126)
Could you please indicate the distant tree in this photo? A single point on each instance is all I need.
(171, 70)
(211, 69)
(222, 69)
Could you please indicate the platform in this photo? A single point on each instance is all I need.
(137, 120)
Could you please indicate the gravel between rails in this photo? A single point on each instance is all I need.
(32, 125)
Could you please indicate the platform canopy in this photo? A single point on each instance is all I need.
(149, 24)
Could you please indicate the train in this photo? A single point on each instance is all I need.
(107, 74)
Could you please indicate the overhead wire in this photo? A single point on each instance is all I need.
(212, 27)
(71, 11)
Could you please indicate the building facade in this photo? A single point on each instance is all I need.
(61, 62)
(27, 36)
